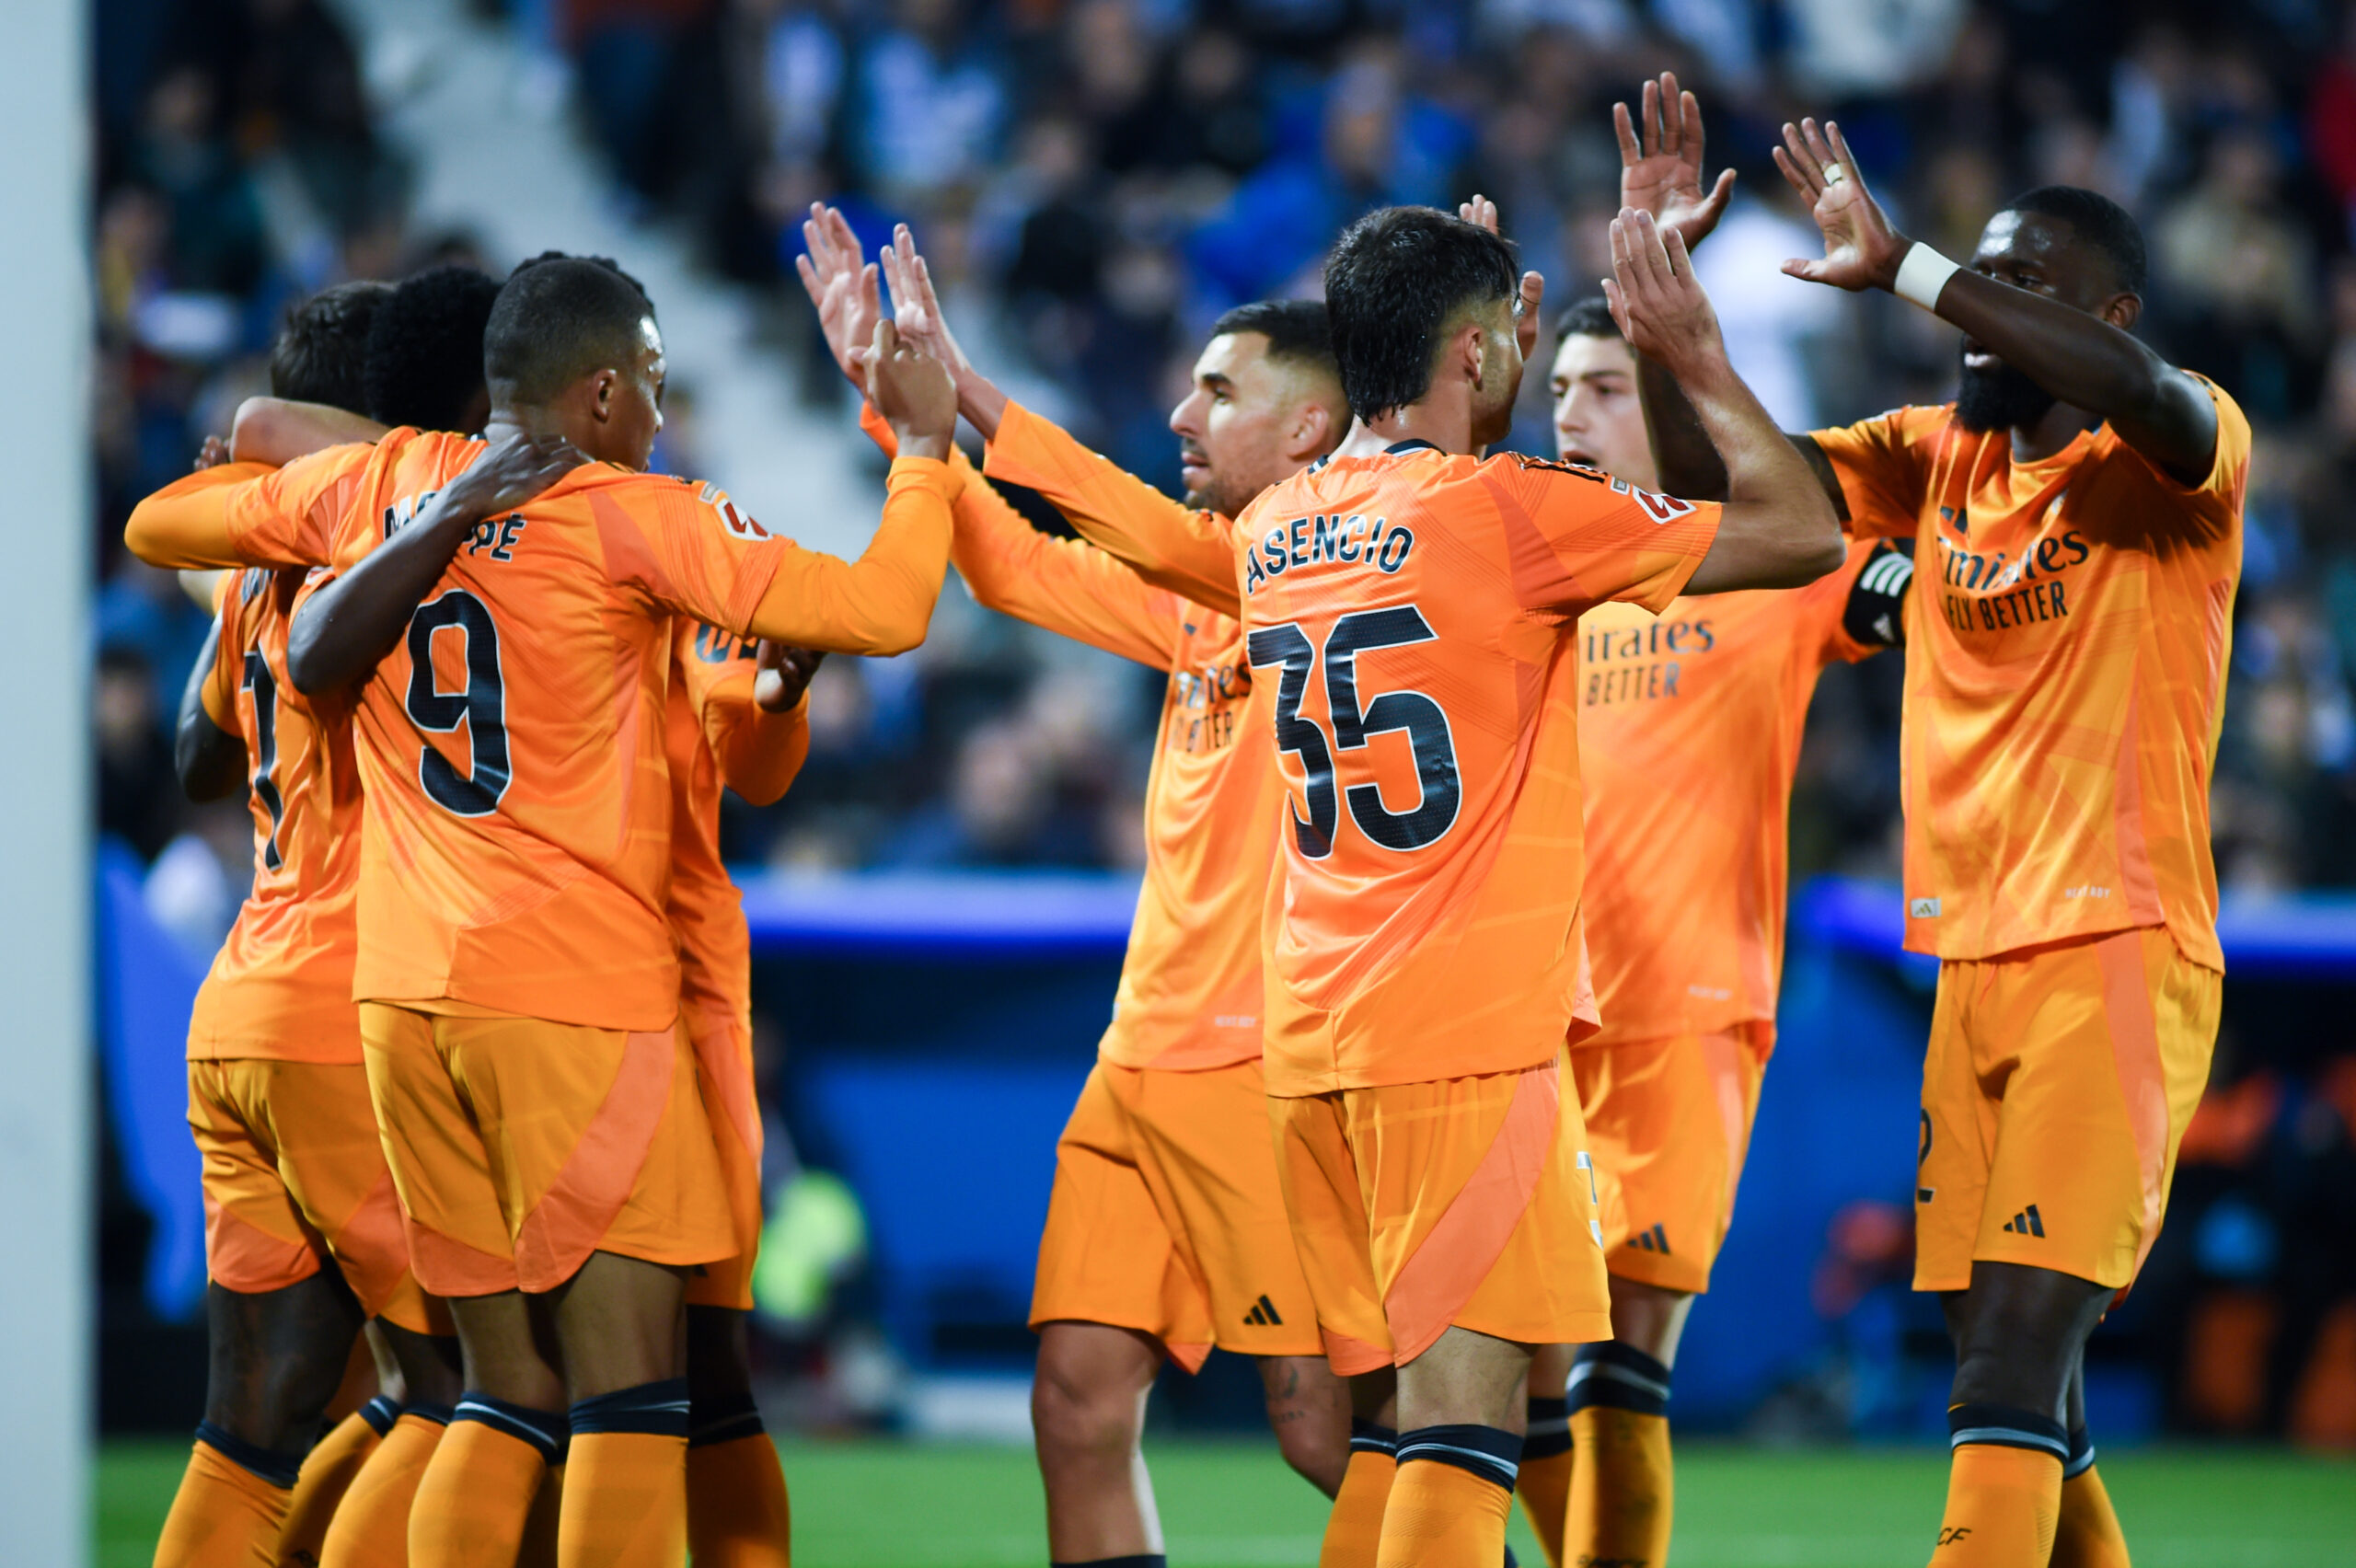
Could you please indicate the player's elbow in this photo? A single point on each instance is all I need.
(306, 663)
(149, 535)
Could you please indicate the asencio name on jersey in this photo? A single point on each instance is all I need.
(1308, 541)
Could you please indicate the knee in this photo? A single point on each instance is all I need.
(1318, 1451)
(1076, 1419)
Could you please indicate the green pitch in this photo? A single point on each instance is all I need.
(872, 1504)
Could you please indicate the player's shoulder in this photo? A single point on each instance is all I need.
(646, 494)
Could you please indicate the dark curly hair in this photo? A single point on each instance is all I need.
(425, 351)
(322, 354)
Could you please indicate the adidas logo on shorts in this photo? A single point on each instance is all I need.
(1264, 1315)
(1653, 1240)
(2028, 1222)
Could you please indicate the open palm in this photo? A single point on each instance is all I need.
(1660, 167)
(1860, 249)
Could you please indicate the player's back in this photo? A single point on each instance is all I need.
(1410, 613)
(280, 987)
(512, 743)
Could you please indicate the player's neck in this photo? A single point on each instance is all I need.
(2059, 427)
(1446, 422)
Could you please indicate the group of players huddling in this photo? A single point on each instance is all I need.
(1454, 974)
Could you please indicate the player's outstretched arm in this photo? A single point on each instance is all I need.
(2087, 361)
(759, 733)
(208, 759)
(277, 429)
(1778, 530)
(882, 602)
(341, 632)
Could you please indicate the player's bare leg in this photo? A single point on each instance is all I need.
(1309, 1409)
(276, 1359)
(478, 1488)
(1087, 1412)
(363, 1411)
(621, 1331)
(1354, 1529)
(738, 1514)
(1461, 1417)
(1543, 1483)
(2020, 1335)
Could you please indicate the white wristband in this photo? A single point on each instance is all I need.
(1923, 274)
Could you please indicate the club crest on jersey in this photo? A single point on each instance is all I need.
(1660, 508)
(737, 523)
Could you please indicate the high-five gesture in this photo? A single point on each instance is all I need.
(1656, 298)
(841, 284)
(912, 392)
(1861, 250)
(1660, 171)
(916, 311)
(1482, 210)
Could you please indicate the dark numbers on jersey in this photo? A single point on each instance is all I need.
(264, 685)
(1425, 724)
(482, 707)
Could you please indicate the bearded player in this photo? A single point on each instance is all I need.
(2078, 514)
(1166, 1233)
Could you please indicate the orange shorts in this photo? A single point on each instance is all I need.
(1166, 1216)
(1468, 1202)
(2055, 1086)
(519, 1146)
(294, 1175)
(1668, 1122)
(723, 1038)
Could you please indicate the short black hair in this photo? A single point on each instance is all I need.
(1588, 318)
(426, 354)
(608, 263)
(322, 354)
(557, 320)
(1298, 331)
(2100, 222)
(1395, 280)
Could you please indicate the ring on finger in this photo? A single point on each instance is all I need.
(1834, 174)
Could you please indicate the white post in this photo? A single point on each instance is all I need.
(46, 1058)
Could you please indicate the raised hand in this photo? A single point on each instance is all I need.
(916, 309)
(1861, 250)
(784, 673)
(214, 452)
(913, 392)
(1656, 298)
(1482, 210)
(1660, 173)
(515, 469)
(842, 283)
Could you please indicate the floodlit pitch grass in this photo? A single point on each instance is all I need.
(1233, 1505)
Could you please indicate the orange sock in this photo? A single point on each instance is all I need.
(371, 1529)
(2002, 1503)
(327, 1476)
(538, 1549)
(1354, 1528)
(2088, 1533)
(1442, 1515)
(477, 1489)
(1544, 1483)
(625, 1501)
(1623, 1492)
(738, 1515)
(226, 1515)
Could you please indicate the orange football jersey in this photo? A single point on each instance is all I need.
(1689, 728)
(2065, 672)
(280, 987)
(517, 842)
(1191, 989)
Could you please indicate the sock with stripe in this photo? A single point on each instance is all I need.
(1544, 1483)
(477, 1491)
(1354, 1526)
(2003, 1487)
(231, 1505)
(1449, 1499)
(738, 1515)
(328, 1473)
(1140, 1559)
(1622, 1489)
(626, 1483)
(2086, 1534)
(371, 1528)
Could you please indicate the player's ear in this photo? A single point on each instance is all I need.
(602, 388)
(1312, 432)
(2123, 310)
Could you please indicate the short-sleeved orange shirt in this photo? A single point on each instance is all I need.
(280, 987)
(1689, 728)
(1411, 620)
(517, 849)
(2066, 653)
(1191, 991)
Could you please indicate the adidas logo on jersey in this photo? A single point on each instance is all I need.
(1264, 1315)
(1922, 909)
(1653, 1240)
(2028, 1222)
